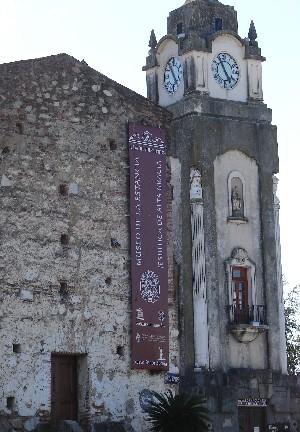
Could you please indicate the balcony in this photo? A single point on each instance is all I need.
(246, 323)
(254, 315)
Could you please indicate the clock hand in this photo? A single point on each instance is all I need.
(224, 69)
(172, 71)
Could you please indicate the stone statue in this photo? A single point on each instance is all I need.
(237, 202)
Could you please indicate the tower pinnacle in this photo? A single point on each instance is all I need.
(252, 35)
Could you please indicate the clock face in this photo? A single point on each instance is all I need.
(173, 75)
(225, 71)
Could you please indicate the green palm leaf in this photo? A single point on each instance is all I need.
(177, 413)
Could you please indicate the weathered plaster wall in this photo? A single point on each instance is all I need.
(206, 133)
(223, 391)
(62, 123)
(234, 234)
(203, 129)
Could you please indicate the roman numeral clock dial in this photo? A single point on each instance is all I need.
(173, 75)
(225, 71)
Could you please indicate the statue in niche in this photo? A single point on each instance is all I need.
(237, 201)
(195, 185)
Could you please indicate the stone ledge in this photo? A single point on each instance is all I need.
(246, 333)
(197, 103)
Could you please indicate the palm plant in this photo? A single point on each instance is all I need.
(177, 413)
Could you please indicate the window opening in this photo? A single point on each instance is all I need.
(120, 351)
(64, 239)
(218, 24)
(19, 128)
(10, 402)
(112, 144)
(63, 189)
(179, 28)
(63, 289)
(16, 348)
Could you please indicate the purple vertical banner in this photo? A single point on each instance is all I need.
(149, 267)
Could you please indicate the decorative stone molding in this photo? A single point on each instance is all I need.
(276, 208)
(246, 333)
(199, 271)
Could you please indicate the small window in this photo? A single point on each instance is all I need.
(63, 289)
(17, 348)
(64, 239)
(120, 351)
(19, 128)
(179, 28)
(236, 273)
(112, 144)
(218, 24)
(63, 189)
(10, 402)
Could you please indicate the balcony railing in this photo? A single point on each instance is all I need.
(252, 315)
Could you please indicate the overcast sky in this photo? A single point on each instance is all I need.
(112, 36)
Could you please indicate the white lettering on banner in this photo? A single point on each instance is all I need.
(137, 198)
(159, 215)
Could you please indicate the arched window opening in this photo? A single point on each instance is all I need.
(241, 282)
(240, 294)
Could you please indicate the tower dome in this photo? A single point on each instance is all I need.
(203, 17)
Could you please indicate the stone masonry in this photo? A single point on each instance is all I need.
(65, 250)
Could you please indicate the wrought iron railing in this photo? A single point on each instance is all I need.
(255, 315)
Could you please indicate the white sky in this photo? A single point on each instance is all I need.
(112, 36)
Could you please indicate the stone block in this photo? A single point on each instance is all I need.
(26, 295)
(265, 391)
(228, 405)
(17, 424)
(69, 426)
(295, 405)
(109, 427)
(31, 424)
(73, 189)
(44, 427)
(280, 402)
(5, 182)
(4, 424)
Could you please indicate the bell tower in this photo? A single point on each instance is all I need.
(223, 156)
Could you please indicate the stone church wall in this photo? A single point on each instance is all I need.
(65, 249)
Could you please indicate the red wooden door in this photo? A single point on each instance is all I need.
(64, 387)
(240, 294)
